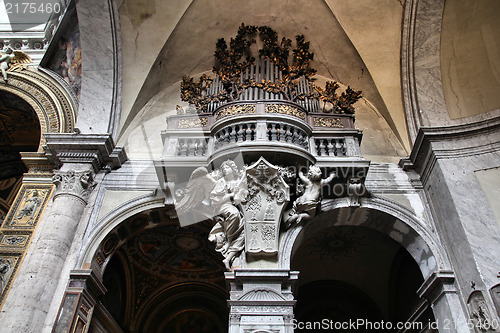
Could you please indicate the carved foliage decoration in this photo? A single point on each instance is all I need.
(233, 110)
(192, 122)
(232, 61)
(77, 183)
(285, 109)
(268, 195)
(328, 122)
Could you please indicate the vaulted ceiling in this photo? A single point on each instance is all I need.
(355, 43)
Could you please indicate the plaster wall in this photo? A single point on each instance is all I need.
(470, 57)
(465, 222)
(375, 31)
(489, 180)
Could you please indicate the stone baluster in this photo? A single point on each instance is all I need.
(339, 147)
(303, 139)
(248, 133)
(322, 148)
(225, 136)
(204, 146)
(240, 133)
(232, 134)
(191, 147)
(281, 132)
(295, 135)
(331, 147)
(273, 133)
(288, 134)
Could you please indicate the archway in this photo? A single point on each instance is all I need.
(19, 132)
(362, 263)
(161, 277)
(352, 273)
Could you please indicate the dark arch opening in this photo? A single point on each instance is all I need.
(19, 132)
(161, 277)
(351, 273)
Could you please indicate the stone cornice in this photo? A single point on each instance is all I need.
(98, 150)
(40, 169)
(436, 285)
(433, 143)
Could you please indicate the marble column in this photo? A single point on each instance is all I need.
(261, 300)
(39, 274)
(36, 293)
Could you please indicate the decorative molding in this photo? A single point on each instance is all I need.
(410, 100)
(436, 285)
(433, 143)
(56, 110)
(287, 110)
(98, 150)
(328, 122)
(232, 110)
(17, 230)
(192, 122)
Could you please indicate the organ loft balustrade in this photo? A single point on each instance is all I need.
(261, 107)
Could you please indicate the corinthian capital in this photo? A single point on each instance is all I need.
(77, 183)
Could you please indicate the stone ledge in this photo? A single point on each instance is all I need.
(96, 149)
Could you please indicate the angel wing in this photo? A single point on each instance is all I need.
(21, 58)
(19, 61)
(195, 206)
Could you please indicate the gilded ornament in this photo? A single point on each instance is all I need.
(192, 122)
(328, 122)
(286, 109)
(233, 110)
(291, 81)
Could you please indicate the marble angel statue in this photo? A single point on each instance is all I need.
(304, 207)
(218, 194)
(12, 60)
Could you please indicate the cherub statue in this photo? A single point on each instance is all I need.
(17, 58)
(304, 208)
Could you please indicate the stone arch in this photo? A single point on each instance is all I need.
(113, 220)
(399, 224)
(53, 104)
(160, 260)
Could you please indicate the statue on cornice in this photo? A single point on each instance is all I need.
(304, 208)
(17, 58)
